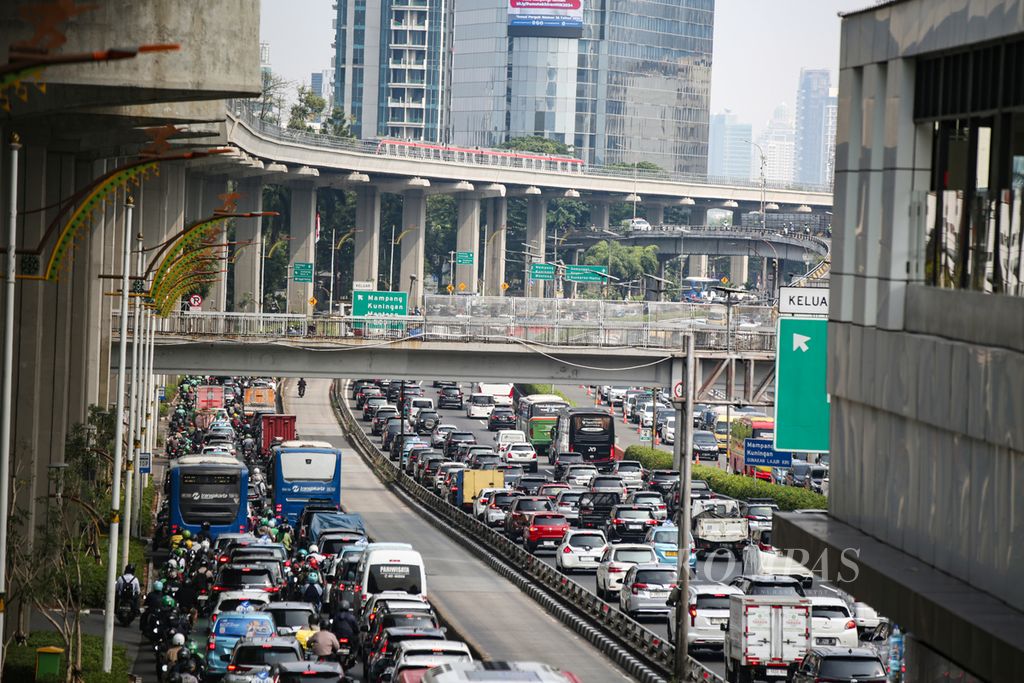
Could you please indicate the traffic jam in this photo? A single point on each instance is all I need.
(548, 471)
(260, 571)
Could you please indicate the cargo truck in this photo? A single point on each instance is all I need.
(260, 397)
(209, 397)
(274, 426)
(469, 484)
(767, 637)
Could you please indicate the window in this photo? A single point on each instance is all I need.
(636, 556)
(266, 655)
(660, 577)
(394, 577)
(850, 667)
(830, 612)
(308, 466)
(586, 541)
(713, 602)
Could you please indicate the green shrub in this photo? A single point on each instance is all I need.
(20, 660)
(146, 509)
(732, 485)
(527, 389)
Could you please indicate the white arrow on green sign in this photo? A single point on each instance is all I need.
(379, 303)
(463, 258)
(801, 401)
(302, 271)
(542, 271)
(586, 273)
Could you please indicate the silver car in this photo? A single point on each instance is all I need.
(497, 510)
(646, 589)
(580, 475)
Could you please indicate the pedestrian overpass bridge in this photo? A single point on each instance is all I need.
(488, 339)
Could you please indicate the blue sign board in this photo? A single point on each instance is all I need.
(161, 394)
(145, 463)
(759, 453)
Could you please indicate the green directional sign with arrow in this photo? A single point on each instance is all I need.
(463, 258)
(542, 271)
(801, 401)
(576, 273)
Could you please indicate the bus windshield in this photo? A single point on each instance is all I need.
(548, 408)
(591, 426)
(209, 497)
(308, 466)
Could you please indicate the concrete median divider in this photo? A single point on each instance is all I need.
(642, 653)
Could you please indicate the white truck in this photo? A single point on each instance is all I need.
(713, 532)
(767, 637)
(502, 393)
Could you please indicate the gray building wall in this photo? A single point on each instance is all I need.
(479, 74)
(927, 435)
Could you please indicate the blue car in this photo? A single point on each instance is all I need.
(244, 622)
(665, 541)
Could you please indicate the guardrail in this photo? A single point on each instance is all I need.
(501, 320)
(644, 654)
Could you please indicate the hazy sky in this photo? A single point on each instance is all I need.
(760, 46)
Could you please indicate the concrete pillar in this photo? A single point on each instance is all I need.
(301, 246)
(738, 266)
(656, 214)
(213, 187)
(697, 265)
(468, 239)
(737, 218)
(698, 215)
(96, 326)
(599, 214)
(111, 264)
(494, 247)
(248, 261)
(367, 236)
(414, 225)
(536, 236)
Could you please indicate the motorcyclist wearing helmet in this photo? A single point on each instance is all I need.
(204, 533)
(344, 625)
(323, 643)
(128, 588)
(152, 604)
(177, 644)
(314, 592)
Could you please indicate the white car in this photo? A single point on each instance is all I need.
(229, 601)
(708, 607)
(483, 500)
(616, 561)
(497, 509)
(579, 475)
(442, 474)
(479, 406)
(521, 454)
(668, 431)
(442, 651)
(760, 558)
(580, 550)
(866, 617)
(439, 433)
(832, 623)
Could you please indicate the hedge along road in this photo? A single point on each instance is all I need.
(707, 570)
(486, 609)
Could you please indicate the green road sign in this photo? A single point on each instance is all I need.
(645, 434)
(379, 303)
(586, 273)
(542, 271)
(801, 401)
(302, 271)
(463, 258)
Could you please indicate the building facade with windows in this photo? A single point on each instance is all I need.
(618, 81)
(812, 103)
(926, 334)
(777, 140)
(729, 147)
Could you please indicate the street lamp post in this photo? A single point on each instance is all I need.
(764, 189)
(134, 412)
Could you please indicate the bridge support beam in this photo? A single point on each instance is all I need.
(698, 215)
(366, 266)
(414, 221)
(468, 239)
(600, 214)
(246, 295)
(301, 247)
(697, 266)
(494, 247)
(212, 188)
(536, 236)
(738, 269)
(656, 214)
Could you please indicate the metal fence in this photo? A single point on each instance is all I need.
(505, 320)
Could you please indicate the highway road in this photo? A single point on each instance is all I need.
(500, 621)
(721, 570)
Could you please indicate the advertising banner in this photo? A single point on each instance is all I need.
(550, 18)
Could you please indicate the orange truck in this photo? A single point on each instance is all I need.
(260, 397)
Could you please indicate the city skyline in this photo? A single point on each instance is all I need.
(804, 35)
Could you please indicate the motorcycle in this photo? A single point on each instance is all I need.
(302, 390)
(125, 611)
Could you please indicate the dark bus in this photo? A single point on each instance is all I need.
(587, 431)
(208, 488)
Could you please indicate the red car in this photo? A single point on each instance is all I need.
(545, 530)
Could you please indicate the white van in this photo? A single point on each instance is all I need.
(506, 437)
(393, 570)
(479, 405)
(502, 393)
(421, 403)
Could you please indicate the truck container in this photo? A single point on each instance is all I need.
(273, 426)
(713, 532)
(469, 483)
(209, 397)
(767, 637)
(260, 397)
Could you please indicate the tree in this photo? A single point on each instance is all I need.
(307, 109)
(537, 144)
(639, 166)
(338, 125)
(271, 99)
(627, 263)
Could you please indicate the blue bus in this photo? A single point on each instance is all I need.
(208, 488)
(304, 473)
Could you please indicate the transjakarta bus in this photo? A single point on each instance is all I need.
(208, 488)
(537, 414)
(587, 431)
(305, 472)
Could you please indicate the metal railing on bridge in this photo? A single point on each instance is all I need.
(503, 320)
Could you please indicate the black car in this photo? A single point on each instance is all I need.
(454, 439)
(531, 483)
(662, 480)
(629, 522)
(450, 397)
(840, 664)
(501, 418)
(705, 446)
(426, 420)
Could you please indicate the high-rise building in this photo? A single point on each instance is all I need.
(812, 101)
(322, 85)
(828, 136)
(619, 81)
(729, 148)
(390, 69)
(777, 141)
(264, 55)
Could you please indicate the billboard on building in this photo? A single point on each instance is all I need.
(549, 18)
